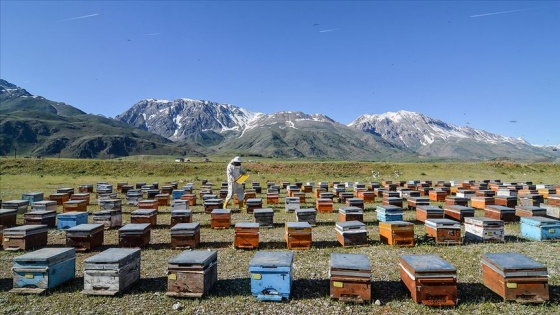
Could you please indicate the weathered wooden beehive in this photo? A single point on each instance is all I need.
(298, 235)
(351, 233)
(135, 235)
(457, 212)
(185, 235)
(85, 237)
(144, 216)
(350, 277)
(25, 237)
(444, 231)
(482, 229)
(350, 213)
(246, 235)
(192, 273)
(308, 215)
(46, 217)
(397, 233)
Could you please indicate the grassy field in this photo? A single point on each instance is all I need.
(310, 290)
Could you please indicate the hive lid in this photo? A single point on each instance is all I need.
(26, 228)
(427, 263)
(539, 221)
(85, 227)
(40, 212)
(180, 212)
(72, 214)
(247, 225)
(438, 223)
(134, 227)
(113, 255)
(351, 209)
(350, 261)
(195, 257)
(221, 211)
(48, 255)
(186, 226)
(512, 261)
(263, 211)
(458, 208)
(298, 225)
(272, 259)
(350, 224)
(144, 211)
(8, 211)
(306, 211)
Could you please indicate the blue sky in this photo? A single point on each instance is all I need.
(492, 65)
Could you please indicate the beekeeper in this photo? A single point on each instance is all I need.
(233, 171)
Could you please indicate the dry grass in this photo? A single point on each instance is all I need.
(310, 290)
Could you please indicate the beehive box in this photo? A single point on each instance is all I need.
(180, 216)
(112, 271)
(413, 202)
(350, 277)
(185, 235)
(246, 235)
(144, 216)
(540, 228)
(220, 219)
(20, 205)
(74, 206)
(46, 217)
(530, 211)
(109, 218)
(551, 211)
(212, 204)
(272, 198)
(192, 273)
(135, 235)
(457, 201)
(43, 205)
(531, 200)
(515, 277)
(444, 231)
(25, 237)
(60, 198)
(424, 213)
(179, 204)
(343, 196)
(500, 213)
(298, 235)
(70, 219)
(66, 190)
(437, 195)
(351, 233)
(264, 217)
(355, 202)
(324, 205)
(465, 193)
(389, 213)
(430, 280)
(32, 196)
(110, 204)
(151, 204)
(392, 201)
(506, 201)
(191, 198)
(350, 213)
(271, 275)
(292, 204)
(481, 202)
(162, 199)
(85, 188)
(81, 196)
(308, 215)
(457, 212)
(254, 203)
(8, 217)
(43, 269)
(554, 200)
(133, 196)
(482, 229)
(397, 233)
(85, 237)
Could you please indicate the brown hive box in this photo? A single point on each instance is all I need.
(424, 213)
(46, 217)
(74, 206)
(413, 202)
(8, 217)
(350, 214)
(437, 195)
(505, 214)
(109, 218)
(111, 271)
(191, 198)
(506, 201)
(480, 202)
(246, 235)
(135, 235)
(85, 188)
(530, 211)
(81, 196)
(220, 219)
(393, 201)
(254, 203)
(459, 201)
(430, 280)
(324, 204)
(144, 216)
(351, 233)
(554, 200)
(397, 233)
(162, 199)
(457, 212)
(148, 204)
(212, 204)
(298, 235)
(444, 231)
(25, 237)
(192, 273)
(515, 277)
(180, 216)
(272, 198)
(60, 198)
(350, 277)
(85, 237)
(367, 196)
(185, 235)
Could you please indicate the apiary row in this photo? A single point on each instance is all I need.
(429, 279)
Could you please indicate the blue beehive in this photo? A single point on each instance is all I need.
(32, 196)
(43, 269)
(540, 228)
(177, 193)
(70, 219)
(389, 213)
(271, 275)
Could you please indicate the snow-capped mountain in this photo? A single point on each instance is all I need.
(185, 119)
(414, 130)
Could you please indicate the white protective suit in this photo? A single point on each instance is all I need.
(233, 172)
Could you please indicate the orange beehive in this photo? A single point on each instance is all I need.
(480, 202)
(397, 233)
(437, 195)
(324, 205)
(298, 235)
(246, 235)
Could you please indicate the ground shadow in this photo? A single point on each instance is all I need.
(158, 284)
(158, 246)
(216, 244)
(231, 287)
(387, 291)
(272, 245)
(310, 288)
(516, 239)
(6, 284)
(474, 293)
(327, 244)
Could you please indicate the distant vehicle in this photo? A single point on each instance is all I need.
(179, 159)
